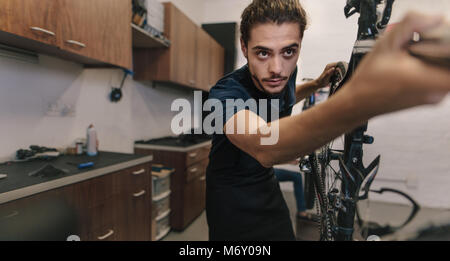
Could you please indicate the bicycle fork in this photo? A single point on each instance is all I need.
(353, 175)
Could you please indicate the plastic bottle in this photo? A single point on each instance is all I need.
(92, 142)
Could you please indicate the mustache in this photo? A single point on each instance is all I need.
(276, 77)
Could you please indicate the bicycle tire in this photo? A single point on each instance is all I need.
(323, 181)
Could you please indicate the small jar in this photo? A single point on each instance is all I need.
(79, 148)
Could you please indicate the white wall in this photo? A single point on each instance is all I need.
(27, 89)
(414, 144)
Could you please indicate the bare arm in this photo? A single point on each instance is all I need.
(297, 135)
(387, 80)
(304, 90)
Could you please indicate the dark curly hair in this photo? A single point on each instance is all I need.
(276, 11)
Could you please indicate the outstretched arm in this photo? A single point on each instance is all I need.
(388, 79)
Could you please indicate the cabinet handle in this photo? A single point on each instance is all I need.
(136, 195)
(192, 82)
(76, 43)
(139, 172)
(193, 155)
(15, 213)
(42, 30)
(110, 232)
(193, 170)
(202, 178)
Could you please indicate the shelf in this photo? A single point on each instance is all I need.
(143, 39)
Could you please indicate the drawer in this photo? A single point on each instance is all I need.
(197, 155)
(132, 180)
(160, 185)
(132, 216)
(196, 170)
(99, 222)
(160, 206)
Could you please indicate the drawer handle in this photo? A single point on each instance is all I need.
(192, 82)
(193, 170)
(76, 43)
(136, 195)
(139, 172)
(42, 30)
(193, 155)
(15, 213)
(110, 233)
(202, 178)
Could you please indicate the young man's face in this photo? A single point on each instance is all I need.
(272, 53)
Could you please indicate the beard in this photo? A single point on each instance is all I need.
(260, 87)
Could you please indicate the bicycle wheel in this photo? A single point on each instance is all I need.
(326, 178)
(327, 182)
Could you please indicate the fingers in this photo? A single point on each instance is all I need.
(413, 22)
(330, 65)
(330, 72)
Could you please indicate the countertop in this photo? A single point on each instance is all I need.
(20, 184)
(172, 148)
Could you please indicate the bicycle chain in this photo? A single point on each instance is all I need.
(324, 219)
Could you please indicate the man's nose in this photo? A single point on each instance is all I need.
(275, 66)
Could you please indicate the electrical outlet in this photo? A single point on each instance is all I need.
(60, 110)
(53, 110)
(68, 111)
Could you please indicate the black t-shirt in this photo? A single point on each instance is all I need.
(243, 198)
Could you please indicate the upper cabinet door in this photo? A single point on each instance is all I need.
(97, 29)
(203, 57)
(182, 35)
(77, 32)
(217, 62)
(36, 20)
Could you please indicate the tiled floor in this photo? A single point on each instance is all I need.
(382, 213)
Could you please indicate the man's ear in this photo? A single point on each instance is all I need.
(244, 48)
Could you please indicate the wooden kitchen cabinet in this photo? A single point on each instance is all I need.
(187, 183)
(183, 44)
(44, 216)
(175, 64)
(97, 29)
(95, 33)
(203, 57)
(35, 20)
(133, 208)
(112, 207)
(216, 63)
(189, 61)
(194, 198)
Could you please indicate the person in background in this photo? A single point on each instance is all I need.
(296, 179)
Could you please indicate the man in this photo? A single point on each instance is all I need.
(244, 200)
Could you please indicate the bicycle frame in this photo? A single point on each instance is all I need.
(353, 171)
(354, 141)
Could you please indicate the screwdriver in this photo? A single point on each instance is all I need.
(82, 165)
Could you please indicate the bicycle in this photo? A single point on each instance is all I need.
(336, 192)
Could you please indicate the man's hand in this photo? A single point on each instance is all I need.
(390, 79)
(304, 90)
(324, 78)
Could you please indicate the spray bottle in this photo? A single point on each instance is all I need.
(92, 141)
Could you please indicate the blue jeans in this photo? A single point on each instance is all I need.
(296, 178)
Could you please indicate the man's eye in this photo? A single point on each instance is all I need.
(263, 54)
(289, 52)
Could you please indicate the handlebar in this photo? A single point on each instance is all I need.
(368, 26)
